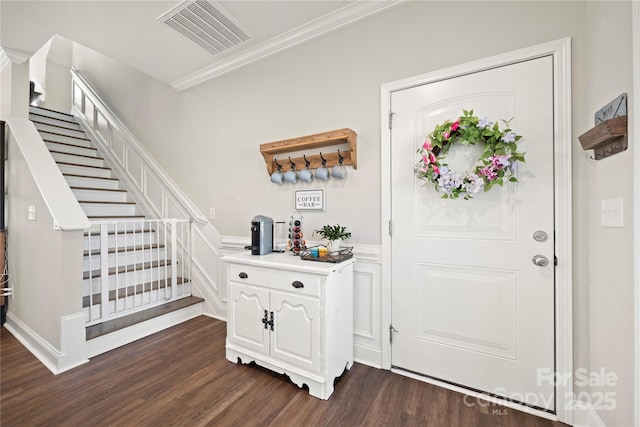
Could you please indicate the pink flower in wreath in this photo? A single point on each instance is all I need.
(455, 126)
(436, 169)
(427, 145)
(432, 157)
(446, 135)
(425, 159)
(488, 172)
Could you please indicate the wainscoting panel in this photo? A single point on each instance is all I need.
(154, 192)
(367, 310)
(135, 167)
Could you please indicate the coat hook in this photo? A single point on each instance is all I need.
(307, 163)
(293, 165)
(277, 164)
(324, 161)
(341, 159)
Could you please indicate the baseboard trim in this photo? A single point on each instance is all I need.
(53, 359)
(133, 333)
(366, 355)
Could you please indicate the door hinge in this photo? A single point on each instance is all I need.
(390, 228)
(392, 330)
(391, 119)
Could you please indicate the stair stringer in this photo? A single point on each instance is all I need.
(155, 193)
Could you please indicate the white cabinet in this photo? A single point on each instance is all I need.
(291, 316)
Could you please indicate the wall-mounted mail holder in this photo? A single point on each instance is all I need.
(610, 135)
(278, 151)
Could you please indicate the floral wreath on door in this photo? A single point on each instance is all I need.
(497, 164)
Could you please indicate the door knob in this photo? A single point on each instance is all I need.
(540, 260)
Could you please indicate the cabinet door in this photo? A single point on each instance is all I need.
(296, 335)
(247, 305)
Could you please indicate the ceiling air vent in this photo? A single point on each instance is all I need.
(205, 24)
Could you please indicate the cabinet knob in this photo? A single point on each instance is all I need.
(243, 275)
(297, 284)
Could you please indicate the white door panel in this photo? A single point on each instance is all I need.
(247, 305)
(296, 337)
(469, 304)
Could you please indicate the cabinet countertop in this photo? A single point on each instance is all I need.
(286, 261)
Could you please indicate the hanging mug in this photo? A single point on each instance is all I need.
(322, 173)
(291, 176)
(277, 177)
(305, 174)
(339, 171)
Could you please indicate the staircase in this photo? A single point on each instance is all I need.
(133, 266)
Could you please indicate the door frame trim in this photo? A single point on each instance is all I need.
(635, 126)
(560, 50)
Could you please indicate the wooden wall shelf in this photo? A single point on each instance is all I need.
(278, 150)
(607, 138)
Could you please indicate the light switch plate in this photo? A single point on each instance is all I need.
(611, 212)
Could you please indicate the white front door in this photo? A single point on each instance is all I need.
(469, 305)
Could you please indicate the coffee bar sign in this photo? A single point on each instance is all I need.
(309, 200)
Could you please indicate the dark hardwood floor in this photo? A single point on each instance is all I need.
(180, 377)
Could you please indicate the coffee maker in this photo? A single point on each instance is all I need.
(261, 235)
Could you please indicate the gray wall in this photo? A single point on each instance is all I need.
(207, 137)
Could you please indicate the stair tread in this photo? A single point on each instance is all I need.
(141, 316)
(126, 249)
(76, 155)
(130, 232)
(106, 202)
(129, 290)
(84, 147)
(89, 176)
(56, 126)
(66, 136)
(74, 187)
(84, 166)
(73, 121)
(53, 111)
(127, 217)
(127, 268)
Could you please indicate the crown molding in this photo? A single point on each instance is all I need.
(4, 60)
(10, 56)
(347, 15)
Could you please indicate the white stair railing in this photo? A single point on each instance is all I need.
(134, 265)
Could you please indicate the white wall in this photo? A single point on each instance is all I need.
(611, 256)
(49, 69)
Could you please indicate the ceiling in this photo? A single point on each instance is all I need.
(131, 32)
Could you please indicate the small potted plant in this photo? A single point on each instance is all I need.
(334, 234)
